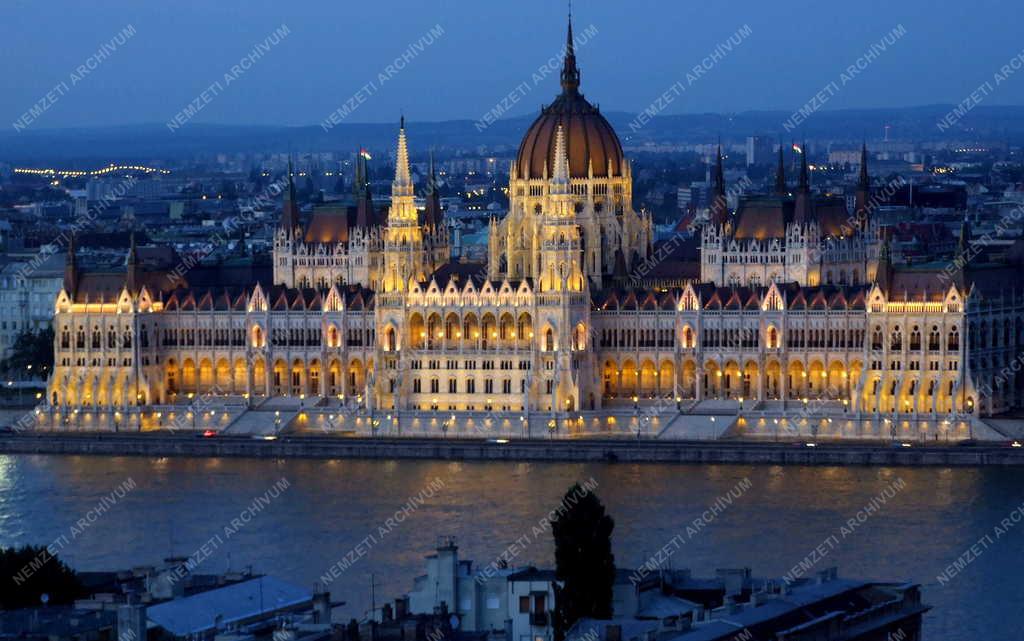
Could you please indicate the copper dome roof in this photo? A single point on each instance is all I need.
(588, 136)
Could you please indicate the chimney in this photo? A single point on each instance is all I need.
(685, 621)
(322, 607)
(409, 629)
(401, 607)
(131, 622)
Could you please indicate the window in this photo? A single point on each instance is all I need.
(524, 604)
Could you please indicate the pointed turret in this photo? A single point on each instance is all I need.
(71, 268)
(719, 173)
(240, 249)
(781, 189)
(403, 206)
(805, 172)
(365, 215)
(862, 196)
(964, 242)
(402, 185)
(432, 214)
(719, 213)
(883, 273)
(359, 182)
(290, 207)
(560, 177)
(865, 181)
(131, 262)
(570, 73)
(963, 253)
(803, 210)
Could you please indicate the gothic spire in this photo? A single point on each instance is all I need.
(719, 213)
(865, 180)
(403, 176)
(132, 263)
(290, 194)
(862, 206)
(432, 214)
(719, 177)
(561, 169)
(133, 254)
(804, 211)
(359, 181)
(290, 207)
(805, 174)
(71, 268)
(570, 73)
(963, 253)
(964, 242)
(365, 215)
(883, 273)
(780, 175)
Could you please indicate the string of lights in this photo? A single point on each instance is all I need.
(78, 173)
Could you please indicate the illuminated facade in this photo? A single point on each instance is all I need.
(793, 303)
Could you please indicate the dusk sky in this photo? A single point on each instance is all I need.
(487, 49)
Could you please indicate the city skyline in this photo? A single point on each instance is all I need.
(324, 57)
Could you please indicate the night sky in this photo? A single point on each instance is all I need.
(486, 50)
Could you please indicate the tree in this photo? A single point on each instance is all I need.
(29, 572)
(584, 563)
(35, 349)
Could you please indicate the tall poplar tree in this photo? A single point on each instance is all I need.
(584, 563)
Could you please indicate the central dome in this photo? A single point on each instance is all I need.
(589, 138)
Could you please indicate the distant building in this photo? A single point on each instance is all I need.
(692, 196)
(759, 150)
(28, 288)
(849, 156)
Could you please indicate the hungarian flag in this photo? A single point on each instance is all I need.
(797, 148)
(365, 154)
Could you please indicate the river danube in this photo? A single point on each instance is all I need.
(377, 520)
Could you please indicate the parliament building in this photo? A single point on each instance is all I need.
(578, 308)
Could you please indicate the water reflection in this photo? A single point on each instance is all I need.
(332, 505)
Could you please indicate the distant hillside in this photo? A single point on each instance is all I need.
(146, 143)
